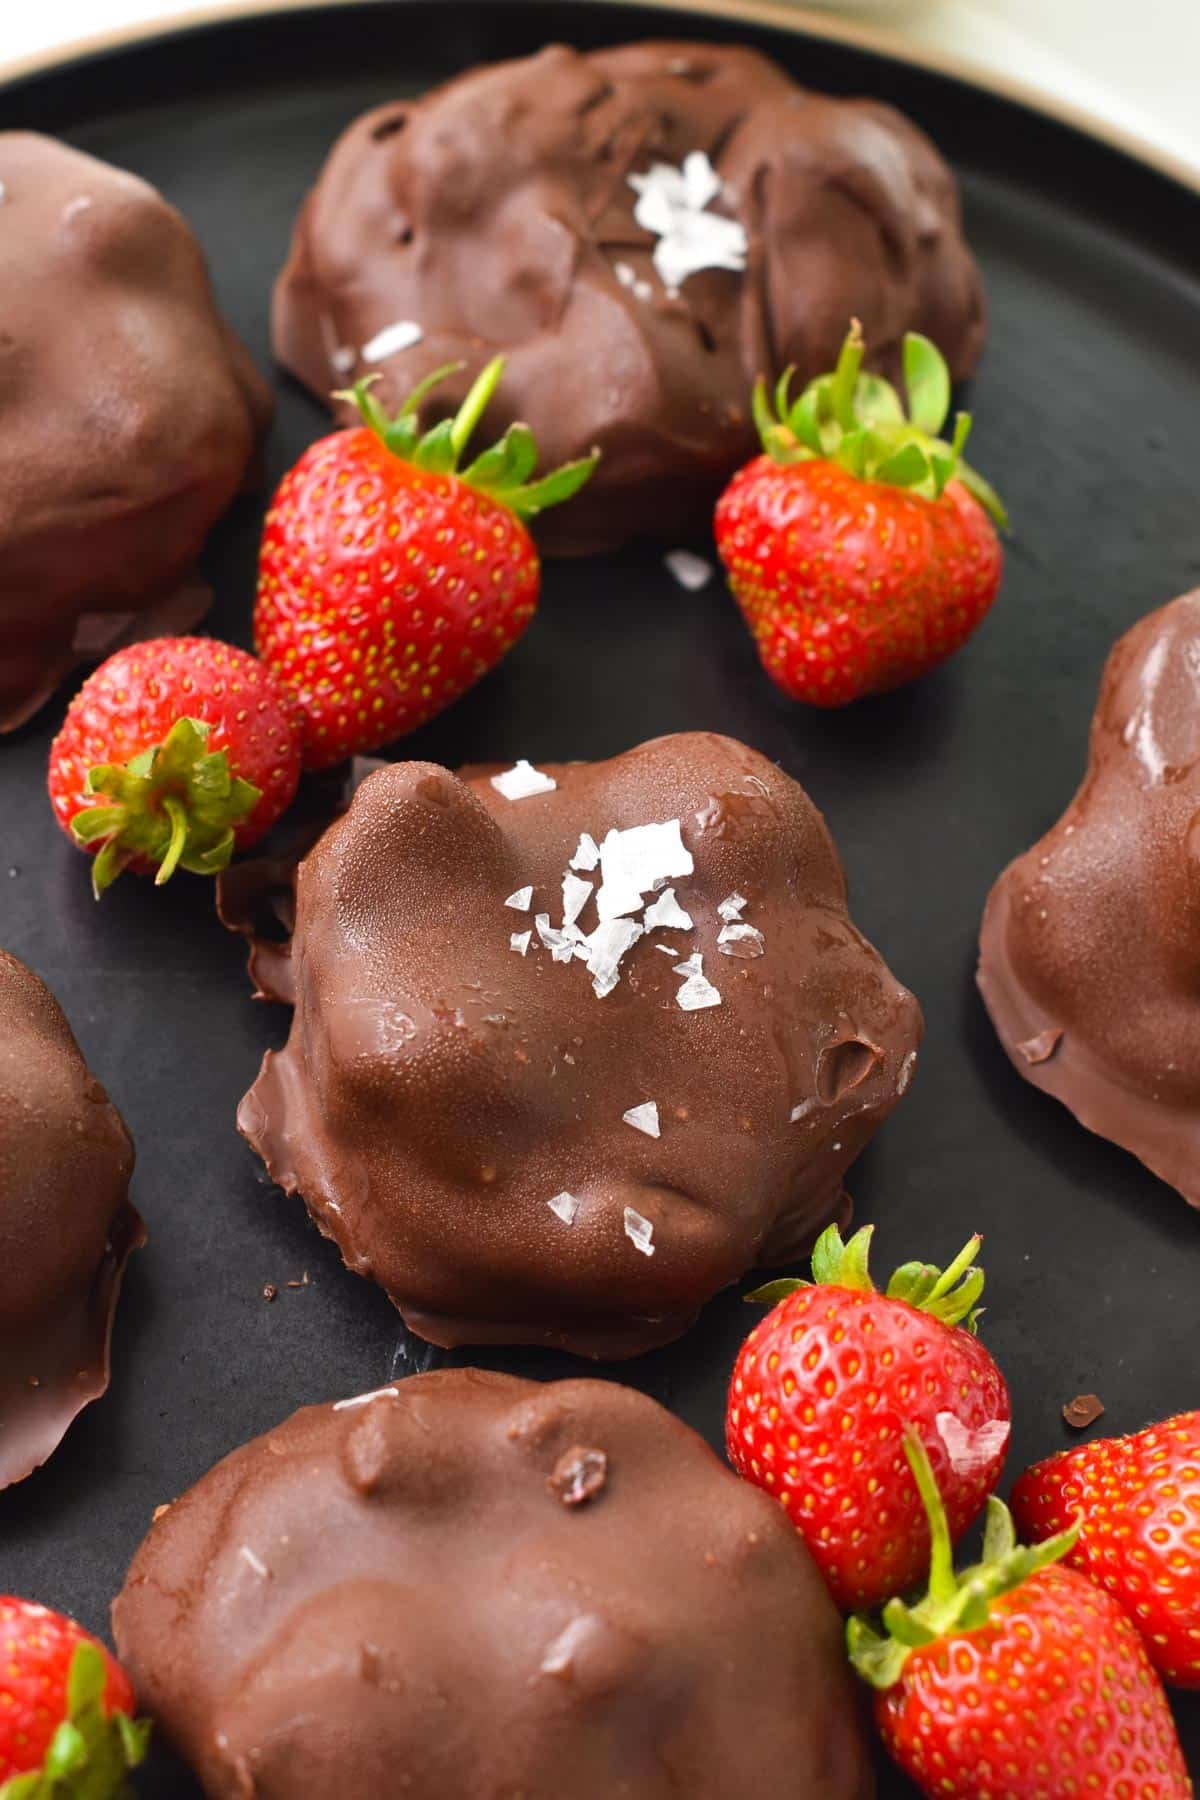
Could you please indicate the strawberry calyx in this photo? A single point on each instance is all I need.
(502, 472)
(859, 421)
(174, 805)
(91, 1753)
(953, 1602)
(951, 1294)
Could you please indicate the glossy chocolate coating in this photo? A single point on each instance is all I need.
(66, 1223)
(438, 1090)
(496, 214)
(1088, 956)
(129, 415)
(412, 1594)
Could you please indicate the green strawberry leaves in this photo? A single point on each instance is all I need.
(174, 806)
(502, 472)
(859, 421)
(90, 1754)
(951, 1295)
(953, 1602)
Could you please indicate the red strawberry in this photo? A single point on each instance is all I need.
(860, 547)
(66, 1725)
(1017, 1680)
(388, 581)
(824, 1389)
(1137, 1500)
(174, 753)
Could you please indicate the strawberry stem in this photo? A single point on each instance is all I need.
(91, 1752)
(175, 805)
(858, 420)
(951, 1295)
(501, 472)
(953, 1603)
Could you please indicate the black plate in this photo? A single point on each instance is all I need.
(1088, 412)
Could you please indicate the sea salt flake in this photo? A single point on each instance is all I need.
(666, 914)
(639, 1231)
(557, 942)
(383, 1393)
(697, 991)
(565, 1206)
(587, 853)
(520, 942)
(520, 901)
(256, 1562)
(576, 894)
(740, 940)
(605, 947)
(403, 335)
(802, 1111)
(644, 1118)
(522, 781)
(971, 1450)
(636, 862)
(690, 571)
(342, 359)
(624, 274)
(672, 203)
(732, 907)
(560, 1655)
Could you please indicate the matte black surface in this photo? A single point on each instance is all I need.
(1088, 417)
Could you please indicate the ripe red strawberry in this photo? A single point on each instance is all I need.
(824, 1389)
(388, 581)
(859, 546)
(1137, 1501)
(66, 1725)
(173, 754)
(1018, 1679)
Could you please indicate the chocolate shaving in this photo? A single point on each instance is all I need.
(1083, 1411)
(1041, 1048)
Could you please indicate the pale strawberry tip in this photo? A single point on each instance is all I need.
(859, 421)
(175, 805)
(502, 472)
(952, 1602)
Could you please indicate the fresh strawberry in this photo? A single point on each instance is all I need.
(824, 1389)
(388, 581)
(66, 1724)
(1018, 1679)
(173, 754)
(1137, 1501)
(860, 547)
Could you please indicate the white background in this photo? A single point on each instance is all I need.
(1130, 65)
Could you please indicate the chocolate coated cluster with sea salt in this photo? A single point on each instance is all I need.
(642, 232)
(575, 1047)
(469, 1585)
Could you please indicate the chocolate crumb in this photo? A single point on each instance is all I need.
(270, 1291)
(1083, 1411)
(579, 1475)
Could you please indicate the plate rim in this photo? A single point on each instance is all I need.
(798, 20)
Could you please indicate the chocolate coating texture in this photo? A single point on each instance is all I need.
(439, 1089)
(66, 1223)
(1090, 943)
(129, 416)
(497, 214)
(400, 1597)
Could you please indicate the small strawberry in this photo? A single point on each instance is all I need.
(173, 754)
(1137, 1500)
(824, 1389)
(1018, 1679)
(860, 547)
(389, 582)
(66, 1725)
